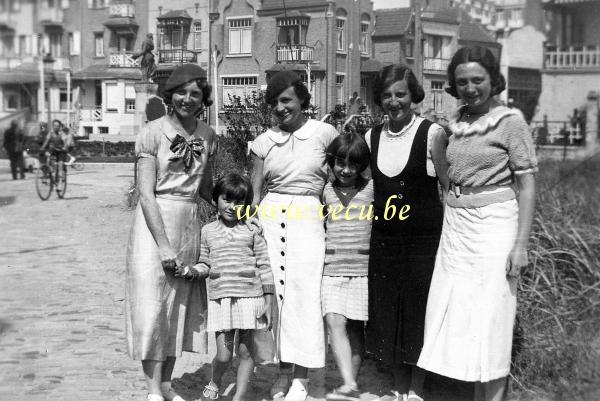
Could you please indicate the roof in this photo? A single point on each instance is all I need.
(29, 73)
(290, 4)
(175, 14)
(392, 21)
(472, 31)
(446, 15)
(101, 71)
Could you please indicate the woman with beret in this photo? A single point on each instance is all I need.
(473, 297)
(407, 162)
(165, 313)
(290, 160)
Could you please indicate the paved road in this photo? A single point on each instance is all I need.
(61, 299)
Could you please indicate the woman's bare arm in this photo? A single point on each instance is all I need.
(258, 178)
(518, 255)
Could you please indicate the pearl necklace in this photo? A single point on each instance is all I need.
(397, 135)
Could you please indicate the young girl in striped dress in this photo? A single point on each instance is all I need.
(240, 283)
(344, 288)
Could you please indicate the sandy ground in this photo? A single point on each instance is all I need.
(61, 301)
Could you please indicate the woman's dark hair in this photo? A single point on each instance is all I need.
(283, 80)
(234, 187)
(351, 147)
(481, 55)
(204, 86)
(393, 73)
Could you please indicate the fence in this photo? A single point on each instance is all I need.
(560, 133)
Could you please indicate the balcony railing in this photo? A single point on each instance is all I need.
(294, 53)
(176, 56)
(89, 115)
(51, 16)
(435, 64)
(121, 10)
(123, 59)
(558, 133)
(572, 58)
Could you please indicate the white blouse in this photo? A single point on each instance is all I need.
(394, 147)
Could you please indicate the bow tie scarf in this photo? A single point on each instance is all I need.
(186, 151)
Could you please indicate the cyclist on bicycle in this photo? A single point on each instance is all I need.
(55, 144)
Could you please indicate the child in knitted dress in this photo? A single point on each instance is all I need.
(240, 283)
(344, 288)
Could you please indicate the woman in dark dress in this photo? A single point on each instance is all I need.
(407, 161)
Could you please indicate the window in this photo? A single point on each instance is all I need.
(438, 47)
(65, 99)
(129, 97)
(339, 29)
(23, 50)
(96, 3)
(240, 36)
(238, 86)
(516, 15)
(437, 98)
(408, 49)
(12, 101)
(339, 88)
(197, 38)
(99, 44)
(365, 45)
(56, 44)
(114, 97)
(87, 130)
(15, 5)
(103, 130)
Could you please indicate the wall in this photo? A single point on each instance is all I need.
(388, 50)
(562, 92)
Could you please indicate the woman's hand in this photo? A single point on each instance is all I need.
(517, 259)
(267, 311)
(197, 271)
(253, 223)
(168, 258)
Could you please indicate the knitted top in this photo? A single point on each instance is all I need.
(348, 232)
(238, 261)
(489, 151)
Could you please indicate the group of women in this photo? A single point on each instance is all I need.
(441, 283)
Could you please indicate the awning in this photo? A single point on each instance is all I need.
(370, 65)
(107, 72)
(29, 73)
(120, 22)
(293, 67)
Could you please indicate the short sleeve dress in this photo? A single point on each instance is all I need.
(472, 303)
(167, 315)
(295, 174)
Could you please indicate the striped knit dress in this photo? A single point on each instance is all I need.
(344, 289)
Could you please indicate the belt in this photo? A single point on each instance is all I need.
(347, 251)
(458, 190)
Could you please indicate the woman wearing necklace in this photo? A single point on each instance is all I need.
(472, 299)
(407, 162)
(166, 314)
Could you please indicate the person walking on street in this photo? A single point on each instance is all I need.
(13, 143)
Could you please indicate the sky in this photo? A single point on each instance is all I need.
(390, 3)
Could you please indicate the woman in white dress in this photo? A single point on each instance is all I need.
(472, 299)
(290, 160)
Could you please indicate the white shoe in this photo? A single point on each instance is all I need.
(298, 390)
(168, 393)
(155, 397)
(71, 160)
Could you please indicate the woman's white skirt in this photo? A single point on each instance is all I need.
(472, 304)
(295, 237)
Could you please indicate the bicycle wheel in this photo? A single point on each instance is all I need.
(43, 182)
(61, 181)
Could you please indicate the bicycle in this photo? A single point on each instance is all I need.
(50, 175)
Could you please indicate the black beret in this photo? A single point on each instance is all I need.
(280, 82)
(184, 74)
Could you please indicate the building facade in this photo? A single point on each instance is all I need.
(327, 43)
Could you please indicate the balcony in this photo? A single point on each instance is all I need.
(51, 17)
(572, 58)
(438, 65)
(123, 59)
(557, 133)
(294, 54)
(116, 10)
(176, 56)
(89, 115)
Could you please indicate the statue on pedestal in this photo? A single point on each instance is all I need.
(147, 63)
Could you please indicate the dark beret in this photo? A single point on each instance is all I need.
(280, 82)
(184, 74)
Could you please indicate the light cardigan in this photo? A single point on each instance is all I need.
(238, 261)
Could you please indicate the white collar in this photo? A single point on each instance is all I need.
(483, 124)
(280, 136)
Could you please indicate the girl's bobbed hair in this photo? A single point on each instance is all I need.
(485, 58)
(234, 186)
(393, 73)
(351, 147)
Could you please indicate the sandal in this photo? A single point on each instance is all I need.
(344, 393)
(210, 392)
(155, 397)
(298, 391)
